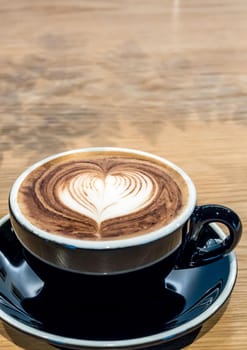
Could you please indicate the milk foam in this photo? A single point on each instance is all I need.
(108, 196)
(102, 198)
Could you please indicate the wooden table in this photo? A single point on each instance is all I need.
(168, 77)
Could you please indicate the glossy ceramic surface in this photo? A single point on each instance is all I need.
(110, 256)
(139, 310)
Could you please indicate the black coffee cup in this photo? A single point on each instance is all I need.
(180, 241)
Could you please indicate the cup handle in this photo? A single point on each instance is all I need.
(196, 251)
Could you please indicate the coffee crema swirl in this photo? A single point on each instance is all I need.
(100, 199)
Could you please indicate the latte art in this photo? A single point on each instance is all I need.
(109, 197)
(100, 198)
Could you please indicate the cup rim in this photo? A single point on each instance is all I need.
(104, 244)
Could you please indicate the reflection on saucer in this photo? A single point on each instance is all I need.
(137, 309)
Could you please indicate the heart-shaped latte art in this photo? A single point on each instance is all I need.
(108, 197)
(101, 198)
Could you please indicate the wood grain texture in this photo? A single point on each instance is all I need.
(165, 76)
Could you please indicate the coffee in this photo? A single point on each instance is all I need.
(102, 195)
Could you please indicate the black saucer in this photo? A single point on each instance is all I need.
(132, 311)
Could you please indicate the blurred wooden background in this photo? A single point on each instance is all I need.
(164, 76)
